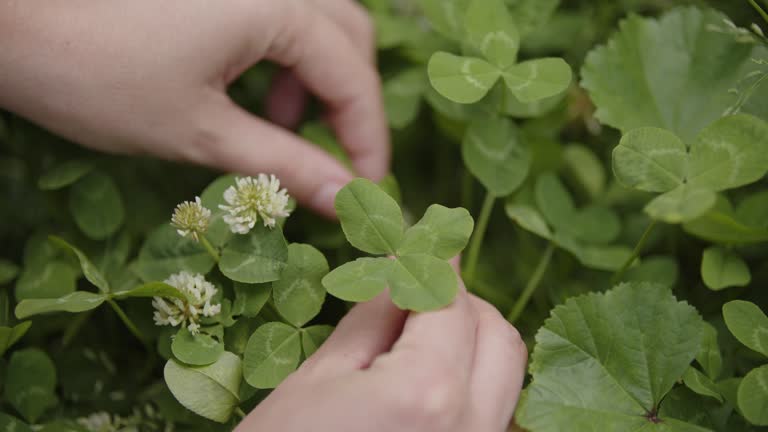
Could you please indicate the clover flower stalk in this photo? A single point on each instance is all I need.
(191, 218)
(254, 198)
(188, 312)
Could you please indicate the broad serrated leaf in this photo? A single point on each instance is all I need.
(538, 79)
(96, 205)
(257, 257)
(90, 271)
(208, 391)
(442, 232)
(599, 363)
(748, 323)
(701, 384)
(64, 174)
(30, 383)
(370, 218)
(422, 283)
(671, 72)
(494, 152)
(11, 335)
(78, 301)
(753, 396)
(492, 31)
(199, 349)
(722, 269)
(165, 253)
(464, 80)
(273, 352)
(313, 337)
(299, 294)
(360, 280)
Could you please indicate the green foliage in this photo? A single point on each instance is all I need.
(635, 210)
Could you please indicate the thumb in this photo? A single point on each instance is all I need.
(236, 141)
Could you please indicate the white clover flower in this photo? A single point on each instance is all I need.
(104, 422)
(191, 219)
(253, 198)
(175, 312)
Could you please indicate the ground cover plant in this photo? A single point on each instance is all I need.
(612, 199)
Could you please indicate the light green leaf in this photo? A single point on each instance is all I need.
(90, 271)
(535, 109)
(492, 32)
(402, 96)
(78, 301)
(96, 205)
(51, 279)
(11, 335)
(683, 204)
(30, 383)
(605, 258)
(299, 294)
(200, 349)
(442, 232)
(599, 363)
(701, 384)
(165, 253)
(722, 269)
(670, 72)
(494, 152)
(748, 323)
(8, 271)
(463, 80)
(12, 424)
(722, 224)
(313, 337)
(586, 168)
(250, 298)
(208, 391)
(360, 280)
(446, 16)
(64, 174)
(650, 159)
(273, 353)
(538, 79)
(554, 201)
(422, 283)
(709, 356)
(753, 396)
(151, 289)
(529, 219)
(753, 211)
(370, 218)
(393, 31)
(594, 224)
(212, 197)
(257, 257)
(531, 15)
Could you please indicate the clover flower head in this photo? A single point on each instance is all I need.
(104, 422)
(252, 198)
(190, 218)
(175, 311)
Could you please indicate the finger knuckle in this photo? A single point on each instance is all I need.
(431, 401)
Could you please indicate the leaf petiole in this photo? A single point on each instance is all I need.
(127, 321)
(533, 283)
(477, 238)
(209, 247)
(635, 253)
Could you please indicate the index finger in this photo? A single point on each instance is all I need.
(326, 61)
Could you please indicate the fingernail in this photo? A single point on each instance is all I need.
(324, 198)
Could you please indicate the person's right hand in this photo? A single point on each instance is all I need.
(459, 369)
(149, 77)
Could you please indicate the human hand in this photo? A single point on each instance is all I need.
(455, 370)
(147, 77)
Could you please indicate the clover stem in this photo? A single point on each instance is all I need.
(209, 247)
(239, 412)
(127, 321)
(759, 10)
(533, 283)
(635, 254)
(477, 238)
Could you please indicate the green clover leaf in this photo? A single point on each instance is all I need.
(96, 205)
(273, 352)
(299, 293)
(722, 269)
(748, 324)
(30, 383)
(257, 257)
(64, 174)
(164, 253)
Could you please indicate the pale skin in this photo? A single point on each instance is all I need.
(150, 78)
